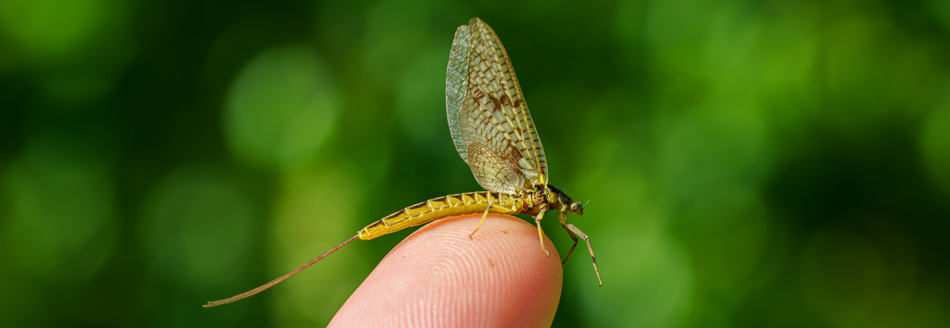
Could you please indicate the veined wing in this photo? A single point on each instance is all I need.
(486, 107)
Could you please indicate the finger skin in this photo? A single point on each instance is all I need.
(439, 277)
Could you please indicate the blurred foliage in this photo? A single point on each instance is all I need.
(749, 163)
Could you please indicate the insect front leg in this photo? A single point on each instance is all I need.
(563, 217)
(572, 230)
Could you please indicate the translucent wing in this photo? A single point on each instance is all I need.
(486, 108)
(491, 171)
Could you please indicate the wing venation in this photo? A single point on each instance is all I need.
(485, 106)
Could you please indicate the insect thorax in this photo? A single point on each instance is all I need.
(532, 201)
(545, 198)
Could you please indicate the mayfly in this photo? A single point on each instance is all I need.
(495, 135)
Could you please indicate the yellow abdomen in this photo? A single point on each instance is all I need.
(438, 208)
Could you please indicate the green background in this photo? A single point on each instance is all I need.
(748, 163)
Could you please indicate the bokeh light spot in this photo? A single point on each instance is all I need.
(281, 108)
(198, 229)
(63, 208)
(52, 30)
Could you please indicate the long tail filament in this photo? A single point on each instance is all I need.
(251, 292)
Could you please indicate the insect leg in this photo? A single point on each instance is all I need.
(572, 229)
(537, 222)
(480, 222)
(497, 208)
(563, 217)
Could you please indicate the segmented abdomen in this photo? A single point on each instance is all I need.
(437, 208)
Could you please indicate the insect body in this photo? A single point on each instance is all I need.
(495, 135)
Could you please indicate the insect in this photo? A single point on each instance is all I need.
(495, 135)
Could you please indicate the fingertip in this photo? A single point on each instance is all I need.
(436, 276)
